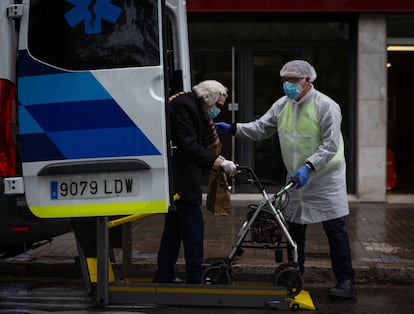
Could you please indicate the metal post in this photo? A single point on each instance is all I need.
(233, 110)
(84, 267)
(102, 261)
(127, 247)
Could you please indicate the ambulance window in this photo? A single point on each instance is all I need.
(97, 35)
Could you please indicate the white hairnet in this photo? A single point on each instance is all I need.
(298, 68)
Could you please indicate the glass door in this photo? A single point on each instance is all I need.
(257, 86)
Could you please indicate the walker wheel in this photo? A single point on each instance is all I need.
(215, 275)
(291, 279)
(295, 307)
(281, 267)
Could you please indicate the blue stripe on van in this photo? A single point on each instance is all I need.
(65, 87)
(86, 144)
(68, 115)
(103, 142)
(38, 147)
(58, 143)
(80, 115)
(27, 125)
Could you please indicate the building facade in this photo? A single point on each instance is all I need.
(362, 51)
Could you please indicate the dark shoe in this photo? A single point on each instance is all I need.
(343, 290)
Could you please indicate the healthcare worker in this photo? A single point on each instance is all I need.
(308, 124)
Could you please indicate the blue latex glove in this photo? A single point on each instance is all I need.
(303, 175)
(222, 128)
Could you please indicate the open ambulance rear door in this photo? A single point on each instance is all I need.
(92, 107)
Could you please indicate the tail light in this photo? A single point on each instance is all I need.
(7, 124)
(19, 229)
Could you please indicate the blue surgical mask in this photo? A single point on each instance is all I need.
(212, 112)
(292, 90)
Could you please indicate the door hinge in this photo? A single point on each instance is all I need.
(15, 11)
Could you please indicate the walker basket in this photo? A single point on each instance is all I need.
(265, 229)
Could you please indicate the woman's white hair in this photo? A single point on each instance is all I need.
(209, 91)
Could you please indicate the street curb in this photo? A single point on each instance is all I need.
(370, 274)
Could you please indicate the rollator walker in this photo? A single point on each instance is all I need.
(267, 227)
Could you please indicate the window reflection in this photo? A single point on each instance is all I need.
(132, 40)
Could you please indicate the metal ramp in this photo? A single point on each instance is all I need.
(205, 295)
(123, 284)
(243, 294)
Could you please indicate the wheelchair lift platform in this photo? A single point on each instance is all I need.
(114, 284)
(139, 293)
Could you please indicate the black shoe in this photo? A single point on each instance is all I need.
(343, 290)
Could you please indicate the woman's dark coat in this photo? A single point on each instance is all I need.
(190, 157)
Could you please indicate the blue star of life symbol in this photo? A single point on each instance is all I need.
(92, 12)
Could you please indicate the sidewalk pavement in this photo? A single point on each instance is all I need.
(381, 237)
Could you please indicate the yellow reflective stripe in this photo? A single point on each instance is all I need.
(106, 209)
(181, 289)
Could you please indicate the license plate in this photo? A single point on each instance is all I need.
(94, 188)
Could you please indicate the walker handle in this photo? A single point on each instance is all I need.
(290, 184)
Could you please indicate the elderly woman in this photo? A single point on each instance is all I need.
(192, 131)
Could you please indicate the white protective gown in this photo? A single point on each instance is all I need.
(309, 129)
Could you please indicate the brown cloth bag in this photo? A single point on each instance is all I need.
(218, 196)
(218, 193)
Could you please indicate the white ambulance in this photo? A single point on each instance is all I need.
(83, 92)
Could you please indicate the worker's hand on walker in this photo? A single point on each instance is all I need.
(223, 128)
(302, 174)
(229, 167)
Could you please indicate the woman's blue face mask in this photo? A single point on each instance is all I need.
(212, 112)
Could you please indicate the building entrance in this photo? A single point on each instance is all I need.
(247, 58)
(400, 113)
(254, 85)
